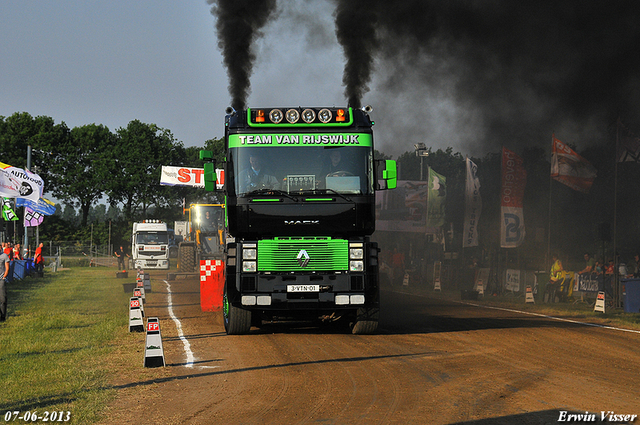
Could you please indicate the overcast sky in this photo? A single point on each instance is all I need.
(445, 73)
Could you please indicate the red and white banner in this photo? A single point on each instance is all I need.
(187, 176)
(514, 180)
(571, 169)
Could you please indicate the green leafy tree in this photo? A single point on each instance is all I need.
(21, 130)
(137, 157)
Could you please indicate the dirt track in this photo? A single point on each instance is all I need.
(432, 362)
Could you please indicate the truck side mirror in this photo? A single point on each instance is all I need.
(210, 176)
(387, 174)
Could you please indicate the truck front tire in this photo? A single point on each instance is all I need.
(237, 321)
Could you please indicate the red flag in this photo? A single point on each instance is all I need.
(571, 169)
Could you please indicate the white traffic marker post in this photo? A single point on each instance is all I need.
(139, 292)
(480, 288)
(147, 282)
(599, 303)
(436, 285)
(528, 298)
(136, 324)
(141, 305)
(153, 352)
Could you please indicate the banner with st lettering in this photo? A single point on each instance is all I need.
(514, 180)
(472, 206)
(187, 176)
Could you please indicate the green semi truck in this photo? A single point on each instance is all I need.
(300, 209)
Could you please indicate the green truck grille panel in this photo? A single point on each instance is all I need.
(324, 254)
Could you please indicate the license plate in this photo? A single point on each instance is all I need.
(303, 288)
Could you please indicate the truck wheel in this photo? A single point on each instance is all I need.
(237, 321)
(366, 321)
(187, 258)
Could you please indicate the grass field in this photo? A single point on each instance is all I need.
(63, 340)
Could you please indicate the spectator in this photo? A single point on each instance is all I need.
(4, 272)
(555, 279)
(17, 255)
(120, 254)
(589, 264)
(6, 248)
(597, 268)
(39, 261)
(633, 267)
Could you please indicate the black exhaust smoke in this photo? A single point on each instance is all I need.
(356, 23)
(238, 24)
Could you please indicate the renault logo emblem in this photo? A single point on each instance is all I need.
(303, 258)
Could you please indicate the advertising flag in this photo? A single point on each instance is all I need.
(514, 180)
(472, 206)
(7, 211)
(437, 195)
(628, 145)
(43, 206)
(571, 169)
(32, 218)
(19, 183)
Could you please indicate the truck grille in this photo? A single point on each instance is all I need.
(324, 253)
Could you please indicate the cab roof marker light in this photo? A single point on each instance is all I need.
(340, 115)
(276, 116)
(308, 116)
(293, 116)
(325, 115)
(259, 115)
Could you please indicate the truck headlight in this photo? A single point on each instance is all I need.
(356, 265)
(249, 266)
(249, 254)
(356, 253)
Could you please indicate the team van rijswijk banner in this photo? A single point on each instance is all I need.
(188, 176)
(19, 183)
(514, 179)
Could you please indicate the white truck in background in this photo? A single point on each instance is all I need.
(150, 245)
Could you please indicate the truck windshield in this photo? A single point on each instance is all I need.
(152, 238)
(296, 170)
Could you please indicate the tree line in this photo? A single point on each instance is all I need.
(84, 166)
(112, 179)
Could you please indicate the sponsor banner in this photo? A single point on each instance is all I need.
(19, 183)
(514, 179)
(403, 209)
(187, 176)
(472, 206)
(571, 169)
(437, 197)
(588, 282)
(7, 212)
(43, 206)
(300, 139)
(512, 280)
(32, 218)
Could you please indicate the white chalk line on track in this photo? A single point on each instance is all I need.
(185, 342)
(560, 319)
